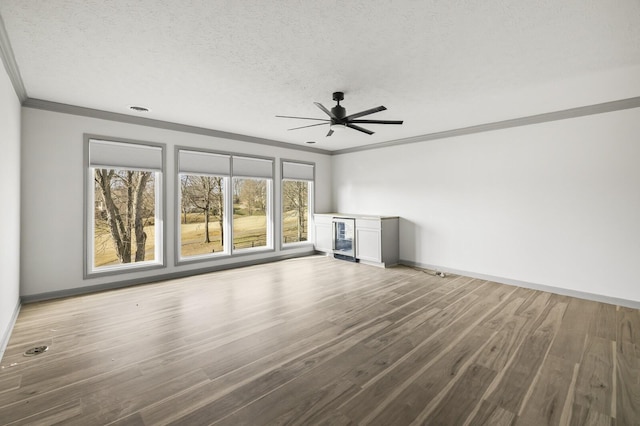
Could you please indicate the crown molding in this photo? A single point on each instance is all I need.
(150, 122)
(10, 64)
(498, 125)
(582, 111)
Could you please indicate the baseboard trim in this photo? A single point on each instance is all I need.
(533, 286)
(146, 280)
(7, 333)
(156, 278)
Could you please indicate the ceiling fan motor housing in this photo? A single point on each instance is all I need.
(339, 112)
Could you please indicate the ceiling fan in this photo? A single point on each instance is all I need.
(338, 118)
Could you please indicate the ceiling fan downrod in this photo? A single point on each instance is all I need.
(338, 111)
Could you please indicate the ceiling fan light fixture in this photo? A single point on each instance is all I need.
(338, 127)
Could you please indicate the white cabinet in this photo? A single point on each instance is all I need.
(368, 240)
(323, 232)
(376, 237)
(377, 241)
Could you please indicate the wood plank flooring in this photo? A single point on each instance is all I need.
(321, 341)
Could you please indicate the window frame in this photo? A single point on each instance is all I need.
(228, 206)
(229, 251)
(160, 245)
(270, 208)
(180, 259)
(310, 204)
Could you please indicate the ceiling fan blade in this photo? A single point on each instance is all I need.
(310, 125)
(353, 126)
(302, 118)
(366, 112)
(326, 111)
(377, 121)
(330, 132)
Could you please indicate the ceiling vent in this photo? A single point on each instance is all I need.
(138, 108)
(36, 351)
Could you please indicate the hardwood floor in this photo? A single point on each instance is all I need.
(321, 341)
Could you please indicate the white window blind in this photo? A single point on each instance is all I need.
(297, 171)
(107, 154)
(198, 162)
(252, 167)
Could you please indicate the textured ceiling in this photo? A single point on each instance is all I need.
(233, 65)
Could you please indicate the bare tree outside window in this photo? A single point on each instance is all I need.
(202, 206)
(124, 216)
(250, 204)
(295, 210)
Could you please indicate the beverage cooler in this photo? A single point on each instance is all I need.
(344, 238)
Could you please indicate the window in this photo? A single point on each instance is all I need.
(252, 211)
(124, 217)
(203, 183)
(297, 196)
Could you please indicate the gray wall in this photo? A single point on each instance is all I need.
(10, 211)
(52, 197)
(554, 204)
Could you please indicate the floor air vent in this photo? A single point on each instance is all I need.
(36, 351)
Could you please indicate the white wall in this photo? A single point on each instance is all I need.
(10, 211)
(553, 204)
(52, 197)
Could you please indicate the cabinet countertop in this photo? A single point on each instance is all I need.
(356, 216)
